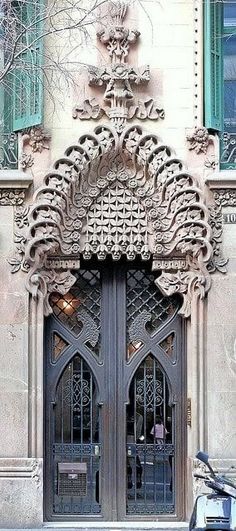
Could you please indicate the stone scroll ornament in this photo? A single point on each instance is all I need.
(118, 78)
(116, 195)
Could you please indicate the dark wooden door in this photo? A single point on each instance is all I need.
(114, 398)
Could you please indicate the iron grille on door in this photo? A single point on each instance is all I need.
(113, 409)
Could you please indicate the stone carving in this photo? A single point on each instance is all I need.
(37, 138)
(217, 262)
(118, 78)
(43, 283)
(11, 197)
(199, 140)
(90, 108)
(26, 161)
(141, 110)
(117, 195)
(211, 163)
(225, 197)
(57, 262)
(185, 283)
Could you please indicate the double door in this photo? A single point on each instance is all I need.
(114, 399)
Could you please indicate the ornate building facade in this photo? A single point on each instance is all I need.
(118, 284)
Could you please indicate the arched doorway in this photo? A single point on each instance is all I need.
(115, 398)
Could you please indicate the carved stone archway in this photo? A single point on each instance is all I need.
(119, 195)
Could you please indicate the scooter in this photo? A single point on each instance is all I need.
(216, 510)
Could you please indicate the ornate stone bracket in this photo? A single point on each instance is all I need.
(118, 77)
(199, 140)
(116, 195)
(37, 139)
(217, 262)
(224, 194)
(13, 187)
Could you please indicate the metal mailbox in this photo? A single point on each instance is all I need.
(72, 479)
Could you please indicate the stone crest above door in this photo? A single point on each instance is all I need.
(116, 195)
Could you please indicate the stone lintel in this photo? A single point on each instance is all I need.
(225, 179)
(14, 179)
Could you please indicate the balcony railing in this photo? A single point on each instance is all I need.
(8, 151)
(228, 151)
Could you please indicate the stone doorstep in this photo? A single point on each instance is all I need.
(112, 526)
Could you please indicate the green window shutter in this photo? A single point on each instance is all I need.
(213, 64)
(28, 82)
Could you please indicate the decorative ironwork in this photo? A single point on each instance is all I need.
(148, 392)
(228, 150)
(76, 392)
(76, 448)
(8, 151)
(147, 308)
(150, 442)
(74, 435)
(79, 309)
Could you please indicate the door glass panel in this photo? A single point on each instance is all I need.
(59, 345)
(76, 450)
(147, 308)
(168, 345)
(150, 442)
(83, 473)
(80, 309)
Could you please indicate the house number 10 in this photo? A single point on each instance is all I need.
(230, 218)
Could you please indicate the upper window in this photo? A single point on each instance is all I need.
(21, 58)
(220, 76)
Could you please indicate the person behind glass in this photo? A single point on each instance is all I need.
(159, 431)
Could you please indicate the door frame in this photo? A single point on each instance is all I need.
(116, 452)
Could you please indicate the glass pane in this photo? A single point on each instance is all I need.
(146, 308)
(150, 442)
(59, 346)
(80, 309)
(228, 138)
(229, 13)
(77, 449)
(229, 47)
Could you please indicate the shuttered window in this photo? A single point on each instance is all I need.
(228, 137)
(213, 78)
(27, 74)
(220, 75)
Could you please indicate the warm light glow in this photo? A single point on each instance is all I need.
(69, 304)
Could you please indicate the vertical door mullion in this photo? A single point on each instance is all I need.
(109, 334)
(121, 464)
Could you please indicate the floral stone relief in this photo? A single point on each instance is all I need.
(199, 140)
(118, 195)
(118, 78)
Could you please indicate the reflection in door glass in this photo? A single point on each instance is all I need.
(146, 308)
(150, 442)
(79, 309)
(77, 445)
